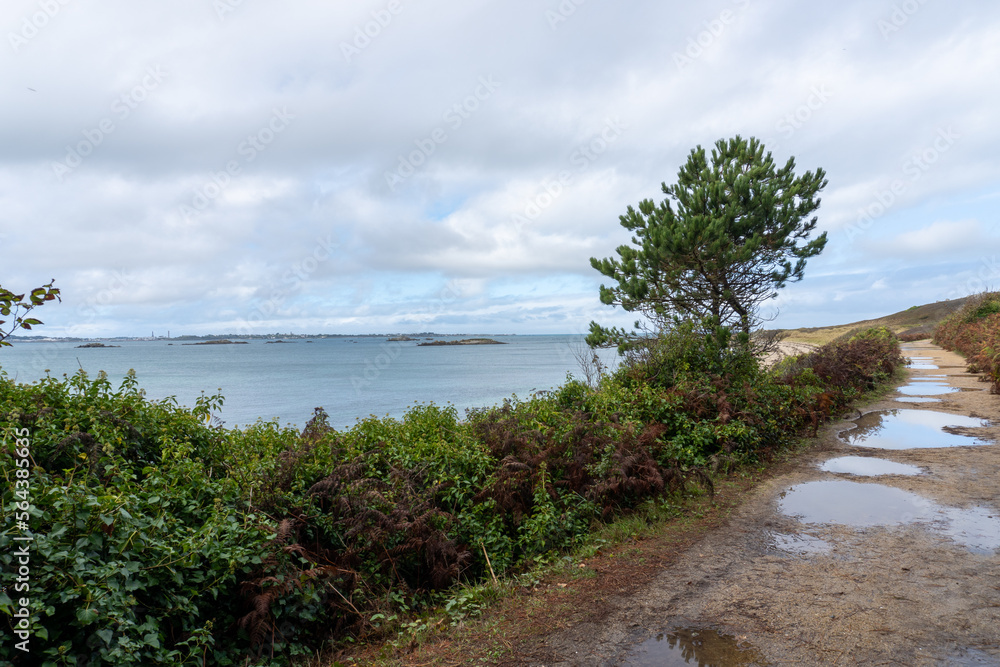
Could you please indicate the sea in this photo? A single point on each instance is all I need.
(350, 378)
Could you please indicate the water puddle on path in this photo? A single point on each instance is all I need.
(927, 389)
(917, 399)
(692, 646)
(866, 505)
(868, 466)
(970, 657)
(802, 545)
(923, 366)
(911, 429)
(851, 504)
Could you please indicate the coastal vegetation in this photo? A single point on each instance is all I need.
(974, 331)
(161, 539)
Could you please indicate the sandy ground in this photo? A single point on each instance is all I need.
(906, 592)
(788, 349)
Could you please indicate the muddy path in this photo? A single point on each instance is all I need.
(826, 566)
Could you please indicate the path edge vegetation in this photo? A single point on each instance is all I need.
(974, 332)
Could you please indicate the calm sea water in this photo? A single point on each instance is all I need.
(349, 378)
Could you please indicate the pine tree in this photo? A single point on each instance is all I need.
(729, 235)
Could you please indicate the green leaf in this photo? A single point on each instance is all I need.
(86, 616)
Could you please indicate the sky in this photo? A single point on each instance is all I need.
(216, 166)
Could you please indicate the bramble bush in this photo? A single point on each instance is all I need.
(162, 540)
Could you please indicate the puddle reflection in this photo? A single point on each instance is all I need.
(865, 505)
(927, 389)
(868, 466)
(911, 429)
(692, 646)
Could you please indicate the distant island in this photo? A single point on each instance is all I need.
(224, 341)
(97, 345)
(467, 341)
(274, 342)
(399, 339)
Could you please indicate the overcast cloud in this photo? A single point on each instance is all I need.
(211, 166)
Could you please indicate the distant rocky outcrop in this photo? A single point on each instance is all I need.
(400, 339)
(97, 345)
(467, 341)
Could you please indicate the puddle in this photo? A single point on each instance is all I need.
(868, 466)
(805, 545)
(927, 389)
(911, 429)
(865, 505)
(852, 504)
(692, 646)
(968, 657)
(977, 528)
(917, 399)
(923, 366)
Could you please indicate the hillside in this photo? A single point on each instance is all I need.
(916, 320)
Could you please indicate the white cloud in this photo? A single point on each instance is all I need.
(820, 82)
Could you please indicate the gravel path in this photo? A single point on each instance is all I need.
(824, 567)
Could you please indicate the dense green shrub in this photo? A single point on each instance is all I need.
(162, 540)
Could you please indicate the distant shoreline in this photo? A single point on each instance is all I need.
(190, 340)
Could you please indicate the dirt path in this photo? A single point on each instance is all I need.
(829, 568)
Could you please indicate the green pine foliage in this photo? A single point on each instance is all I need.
(731, 231)
(161, 540)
